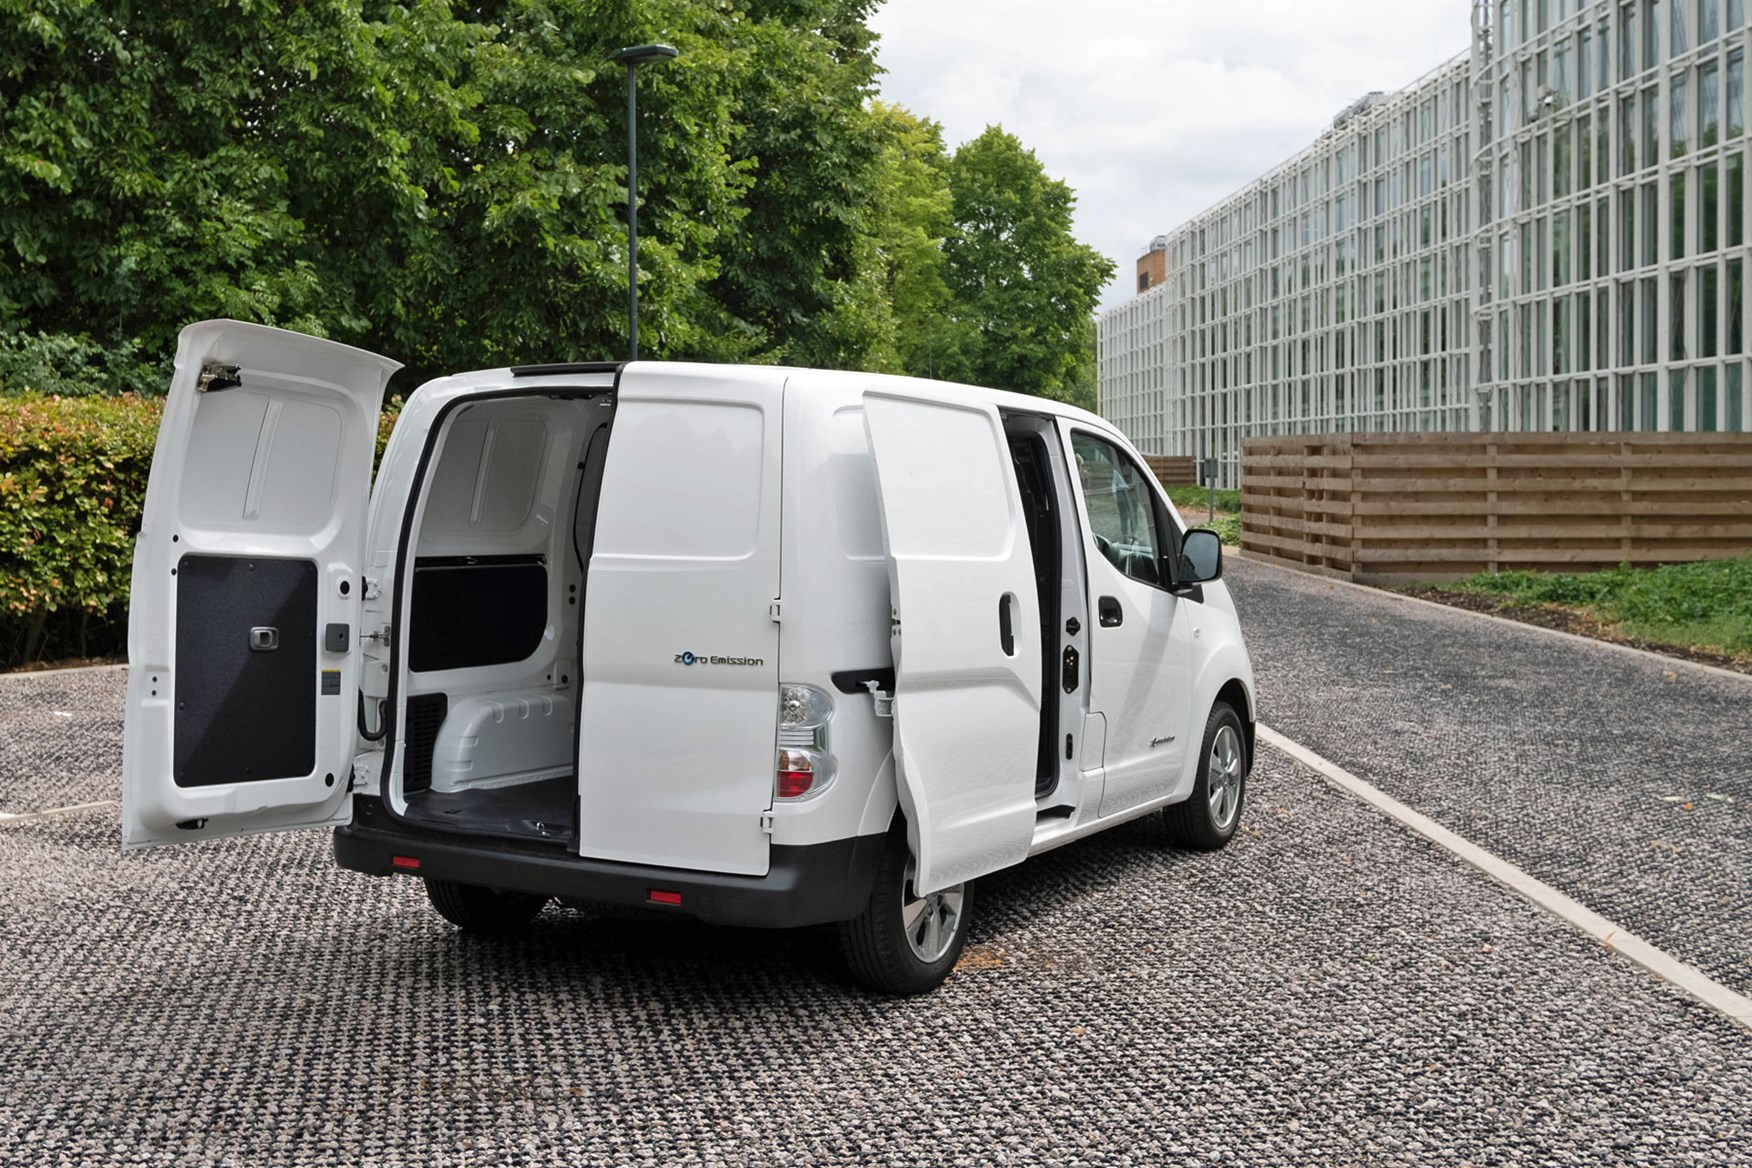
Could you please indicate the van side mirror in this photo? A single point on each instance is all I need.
(1201, 558)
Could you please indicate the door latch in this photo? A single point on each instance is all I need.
(381, 637)
(884, 701)
(217, 375)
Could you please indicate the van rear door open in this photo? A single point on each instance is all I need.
(965, 632)
(243, 635)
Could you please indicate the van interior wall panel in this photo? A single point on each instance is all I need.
(426, 713)
(469, 611)
(245, 712)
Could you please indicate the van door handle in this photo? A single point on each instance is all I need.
(1109, 613)
(1006, 629)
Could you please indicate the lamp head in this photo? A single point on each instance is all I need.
(644, 55)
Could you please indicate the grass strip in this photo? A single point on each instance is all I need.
(1706, 605)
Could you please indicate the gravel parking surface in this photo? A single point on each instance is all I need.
(1623, 779)
(1330, 990)
(60, 738)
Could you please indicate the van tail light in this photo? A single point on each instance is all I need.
(796, 773)
(804, 768)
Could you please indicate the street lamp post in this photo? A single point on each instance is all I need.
(632, 58)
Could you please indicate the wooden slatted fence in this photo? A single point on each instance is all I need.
(1173, 470)
(1380, 508)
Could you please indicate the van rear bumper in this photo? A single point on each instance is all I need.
(804, 885)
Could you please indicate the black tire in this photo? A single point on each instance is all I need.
(484, 911)
(1200, 822)
(878, 952)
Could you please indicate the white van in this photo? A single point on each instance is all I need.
(759, 646)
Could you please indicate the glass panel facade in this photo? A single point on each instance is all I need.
(1510, 241)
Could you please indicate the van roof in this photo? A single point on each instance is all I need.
(572, 373)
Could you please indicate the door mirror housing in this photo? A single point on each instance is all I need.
(1201, 558)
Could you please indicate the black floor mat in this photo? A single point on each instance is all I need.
(541, 811)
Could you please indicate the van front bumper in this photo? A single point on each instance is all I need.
(804, 885)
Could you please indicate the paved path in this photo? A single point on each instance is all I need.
(1621, 778)
(1330, 990)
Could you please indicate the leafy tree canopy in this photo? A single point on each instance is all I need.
(444, 182)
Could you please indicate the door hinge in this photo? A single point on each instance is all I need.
(373, 588)
(363, 780)
(381, 637)
(217, 375)
(773, 610)
(884, 701)
(766, 823)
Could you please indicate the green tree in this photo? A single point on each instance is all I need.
(909, 216)
(790, 284)
(1024, 289)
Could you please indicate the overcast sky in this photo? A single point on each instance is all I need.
(1152, 110)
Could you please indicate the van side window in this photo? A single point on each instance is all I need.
(1121, 510)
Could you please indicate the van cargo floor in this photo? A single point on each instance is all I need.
(541, 810)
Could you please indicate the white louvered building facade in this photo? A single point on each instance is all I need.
(1546, 233)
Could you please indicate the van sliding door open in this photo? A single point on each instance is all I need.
(965, 631)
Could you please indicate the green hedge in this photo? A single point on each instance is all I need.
(72, 482)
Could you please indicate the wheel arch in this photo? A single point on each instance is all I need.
(1240, 699)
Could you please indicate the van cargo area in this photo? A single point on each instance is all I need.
(489, 680)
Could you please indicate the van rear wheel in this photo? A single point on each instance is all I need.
(1207, 819)
(485, 911)
(904, 943)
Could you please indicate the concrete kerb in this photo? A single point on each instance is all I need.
(1646, 654)
(11, 819)
(1736, 1007)
(19, 673)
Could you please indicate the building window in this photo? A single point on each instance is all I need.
(1627, 43)
(1651, 225)
(1676, 315)
(1650, 321)
(1708, 21)
(1736, 199)
(1678, 124)
(1707, 308)
(1736, 93)
(1676, 216)
(1735, 310)
(1707, 180)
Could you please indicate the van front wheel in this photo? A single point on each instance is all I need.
(487, 911)
(904, 943)
(1207, 820)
